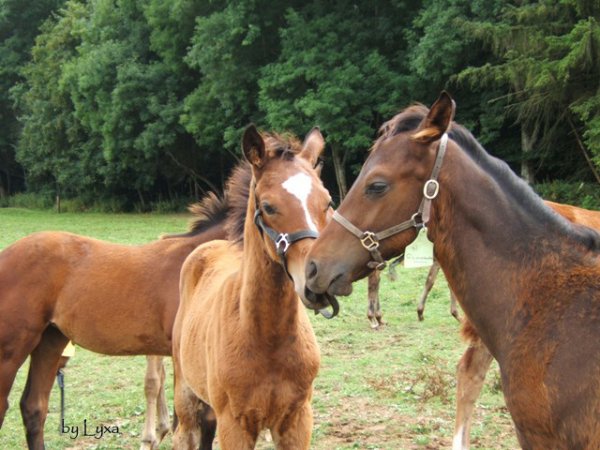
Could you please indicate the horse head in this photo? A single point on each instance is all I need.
(290, 203)
(387, 204)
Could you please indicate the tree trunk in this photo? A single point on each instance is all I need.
(3, 190)
(340, 173)
(527, 144)
(583, 149)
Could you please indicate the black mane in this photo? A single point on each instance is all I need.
(511, 184)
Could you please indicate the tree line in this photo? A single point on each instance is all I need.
(134, 101)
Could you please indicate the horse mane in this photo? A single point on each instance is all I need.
(208, 212)
(409, 120)
(230, 207)
(238, 193)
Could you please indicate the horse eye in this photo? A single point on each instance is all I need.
(376, 188)
(268, 209)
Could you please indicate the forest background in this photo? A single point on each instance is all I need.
(121, 105)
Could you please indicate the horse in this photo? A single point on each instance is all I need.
(108, 298)
(374, 313)
(476, 360)
(244, 352)
(527, 279)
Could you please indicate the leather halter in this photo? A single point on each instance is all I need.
(370, 240)
(282, 240)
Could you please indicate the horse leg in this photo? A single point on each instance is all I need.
(431, 276)
(295, 432)
(470, 375)
(43, 366)
(374, 312)
(15, 346)
(162, 407)
(187, 408)
(232, 436)
(208, 426)
(454, 306)
(155, 402)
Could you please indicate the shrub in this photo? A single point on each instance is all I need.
(31, 200)
(584, 195)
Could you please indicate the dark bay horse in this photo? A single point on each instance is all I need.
(244, 351)
(109, 298)
(527, 279)
(476, 360)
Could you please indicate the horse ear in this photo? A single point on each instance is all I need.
(253, 146)
(437, 121)
(313, 146)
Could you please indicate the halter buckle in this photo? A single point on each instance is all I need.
(381, 265)
(427, 193)
(282, 239)
(369, 241)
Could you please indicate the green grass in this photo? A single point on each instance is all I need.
(386, 389)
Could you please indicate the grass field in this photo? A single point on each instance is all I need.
(386, 389)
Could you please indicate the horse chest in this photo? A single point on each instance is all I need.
(254, 379)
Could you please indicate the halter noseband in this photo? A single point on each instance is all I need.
(370, 240)
(282, 240)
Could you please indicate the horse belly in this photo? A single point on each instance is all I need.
(112, 329)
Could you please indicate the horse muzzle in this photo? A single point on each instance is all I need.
(321, 303)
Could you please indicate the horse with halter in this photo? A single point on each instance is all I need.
(244, 351)
(526, 278)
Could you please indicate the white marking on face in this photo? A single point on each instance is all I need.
(299, 186)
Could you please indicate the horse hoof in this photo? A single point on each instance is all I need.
(149, 445)
(376, 322)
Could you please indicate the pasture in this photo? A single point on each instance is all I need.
(386, 389)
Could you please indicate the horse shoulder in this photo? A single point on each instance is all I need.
(201, 266)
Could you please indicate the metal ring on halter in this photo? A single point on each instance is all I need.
(417, 219)
(283, 238)
(436, 189)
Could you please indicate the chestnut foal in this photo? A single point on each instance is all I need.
(244, 351)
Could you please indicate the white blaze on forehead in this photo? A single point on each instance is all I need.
(299, 186)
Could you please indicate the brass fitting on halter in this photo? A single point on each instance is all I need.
(370, 240)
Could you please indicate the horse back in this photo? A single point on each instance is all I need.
(577, 215)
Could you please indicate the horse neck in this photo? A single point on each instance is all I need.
(486, 242)
(268, 301)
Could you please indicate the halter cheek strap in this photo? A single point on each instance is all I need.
(282, 240)
(370, 240)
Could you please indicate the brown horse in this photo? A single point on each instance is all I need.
(109, 298)
(475, 362)
(526, 278)
(244, 351)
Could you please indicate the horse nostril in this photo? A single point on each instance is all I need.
(311, 270)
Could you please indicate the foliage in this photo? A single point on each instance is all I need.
(548, 59)
(340, 67)
(134, 102)
(584, 195)
(19, 22)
